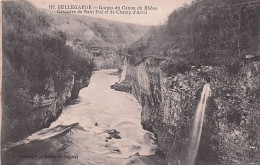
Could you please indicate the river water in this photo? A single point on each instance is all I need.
(101, 128)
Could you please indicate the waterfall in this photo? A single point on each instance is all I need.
(123, 75)
(198, 123)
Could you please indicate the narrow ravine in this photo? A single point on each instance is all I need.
(101, 128)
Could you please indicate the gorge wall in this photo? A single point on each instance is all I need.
(41, 73)
(29, 112)
(169, 99)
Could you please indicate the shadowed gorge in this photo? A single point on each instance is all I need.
(89, 132)
(48, 58)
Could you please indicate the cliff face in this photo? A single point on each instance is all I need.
(39, 110)
(223, 35)
(36, 110)
(41, 73)
(230, 132)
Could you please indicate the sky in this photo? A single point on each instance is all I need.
(156, 17)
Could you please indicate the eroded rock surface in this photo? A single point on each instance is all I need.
(40, 109)
(230, 132)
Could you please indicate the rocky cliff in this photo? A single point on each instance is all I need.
(36, 110)
(41, 73)
(170, 97)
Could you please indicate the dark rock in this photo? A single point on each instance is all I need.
(123, 86)
(112, 131)
(113, 134)
(117, 137)
(137, 154)
(116, 73)
(117, 151)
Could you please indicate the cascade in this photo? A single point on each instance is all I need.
(198, 123)
(123, 75)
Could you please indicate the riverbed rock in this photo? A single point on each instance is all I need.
(113, 134)
(123, 86)
(117, 151)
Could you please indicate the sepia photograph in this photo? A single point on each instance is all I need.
(130, 82)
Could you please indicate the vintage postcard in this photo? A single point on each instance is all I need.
(130, 82)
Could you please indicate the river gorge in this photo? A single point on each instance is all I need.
(102, 126)
(78, 89)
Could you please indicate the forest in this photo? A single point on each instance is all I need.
(206, 32)
(35, 49)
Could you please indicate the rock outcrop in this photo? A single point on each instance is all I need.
(123, 86)
(38, 110)
(230, 132)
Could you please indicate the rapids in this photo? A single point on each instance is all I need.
(101, 128)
